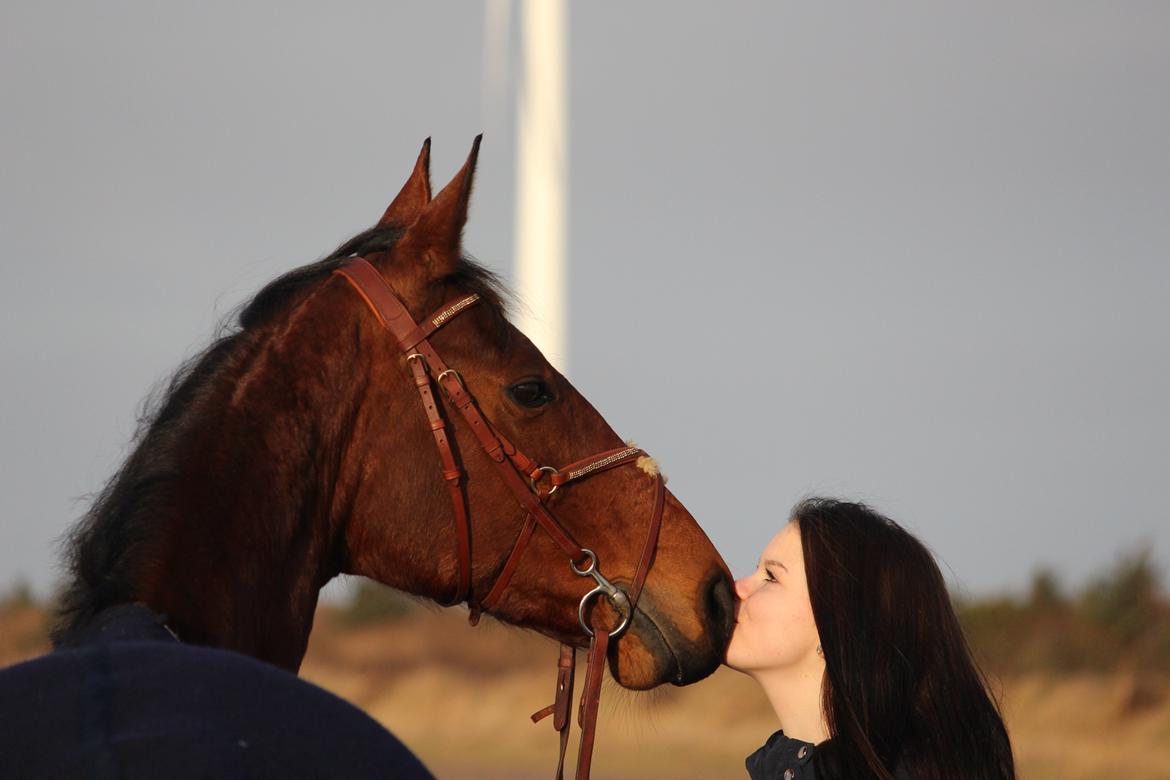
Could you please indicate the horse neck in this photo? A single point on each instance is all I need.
(252, 533)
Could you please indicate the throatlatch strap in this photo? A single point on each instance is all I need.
(394, 317)
(452, 475)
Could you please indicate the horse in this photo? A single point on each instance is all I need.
(292, 450)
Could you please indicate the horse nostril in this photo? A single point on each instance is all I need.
(720, 606)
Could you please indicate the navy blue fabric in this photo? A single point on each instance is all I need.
(781, 753)
(131, 702)
(123, 623)
(785, 758)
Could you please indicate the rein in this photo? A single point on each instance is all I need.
(525, 477)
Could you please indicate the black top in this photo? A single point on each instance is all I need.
(127, 700)
(785, 758)
(782, 758)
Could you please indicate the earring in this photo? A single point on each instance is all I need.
(820, 652)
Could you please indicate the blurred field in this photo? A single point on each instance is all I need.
(461, 696)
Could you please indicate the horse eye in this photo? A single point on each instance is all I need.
(531, 393)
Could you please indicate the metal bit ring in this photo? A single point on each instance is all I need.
(616, 596)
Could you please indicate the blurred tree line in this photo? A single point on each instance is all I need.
(1120, 620)
(18, 595)
(373, 602)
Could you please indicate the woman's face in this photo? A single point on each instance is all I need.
(774, 628)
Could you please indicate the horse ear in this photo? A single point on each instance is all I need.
(438, 231)
(415, 194)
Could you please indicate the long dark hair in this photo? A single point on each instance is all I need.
(901, 690)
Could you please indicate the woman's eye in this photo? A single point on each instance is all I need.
(531, 393)
(769, 577)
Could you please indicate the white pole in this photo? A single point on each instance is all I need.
(497, 33)
(542, 177)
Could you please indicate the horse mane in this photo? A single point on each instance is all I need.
(102, 551)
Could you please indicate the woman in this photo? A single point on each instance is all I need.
(847, 626)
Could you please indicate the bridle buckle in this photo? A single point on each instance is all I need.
(442, 375)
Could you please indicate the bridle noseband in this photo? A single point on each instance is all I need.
(524, 477)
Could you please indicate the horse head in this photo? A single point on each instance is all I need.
(296, 448)
(400, 509)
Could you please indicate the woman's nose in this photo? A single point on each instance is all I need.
(742, 587)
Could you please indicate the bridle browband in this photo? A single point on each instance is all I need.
(525, 478)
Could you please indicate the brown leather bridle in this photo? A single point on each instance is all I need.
(524, 477)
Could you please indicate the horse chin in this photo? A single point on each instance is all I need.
(642, 657)
(652, 653)
(655, 650)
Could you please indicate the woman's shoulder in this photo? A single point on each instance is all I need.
(785, 758)
(782, 757)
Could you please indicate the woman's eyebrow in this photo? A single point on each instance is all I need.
(771, 562)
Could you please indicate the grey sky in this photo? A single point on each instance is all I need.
(914, 254)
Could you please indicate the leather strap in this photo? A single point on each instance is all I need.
(595, 665)
(591, 699)
(562, 702)
(603, 461)
(650, 546)
(394, 317)
(600, 462)
(387, 307)
(510, 564)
